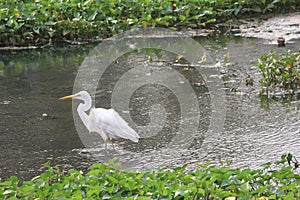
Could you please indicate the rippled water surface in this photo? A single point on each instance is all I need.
(35, 127)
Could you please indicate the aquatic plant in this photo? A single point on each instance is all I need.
(277, 180)
(38, 22)
(280, 73)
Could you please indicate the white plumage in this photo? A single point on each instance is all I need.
(106, 122)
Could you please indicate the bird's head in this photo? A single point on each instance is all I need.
(80, 95)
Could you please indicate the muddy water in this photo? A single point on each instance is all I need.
(283, 25)
(36, 128)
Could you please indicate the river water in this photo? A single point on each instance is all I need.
(35, 127)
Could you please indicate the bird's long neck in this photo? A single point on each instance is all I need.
(82, 108)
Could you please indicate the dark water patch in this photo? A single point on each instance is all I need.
(34, 126)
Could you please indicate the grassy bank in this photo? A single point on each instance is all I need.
(271, 181)
(35, 22)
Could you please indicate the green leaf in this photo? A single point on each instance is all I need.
(112, 179)
(225, 183)
(9, 192)
(182, 17)
(93, 16)
(256, 9)
(10, 22)
(211, 21)
(201, 191)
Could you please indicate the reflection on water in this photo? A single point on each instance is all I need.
(35, 127)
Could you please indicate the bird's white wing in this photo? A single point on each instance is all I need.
(112, 124)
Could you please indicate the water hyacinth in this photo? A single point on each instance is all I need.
(37, 22)
(278, 180)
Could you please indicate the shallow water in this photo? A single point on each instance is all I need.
(35, 127)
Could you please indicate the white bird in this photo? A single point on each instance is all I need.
(106, 122)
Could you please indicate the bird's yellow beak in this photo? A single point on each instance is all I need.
(67, 97)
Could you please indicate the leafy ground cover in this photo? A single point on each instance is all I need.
(280, 73)
(38, 22)
(277, 180)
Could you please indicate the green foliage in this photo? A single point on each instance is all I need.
(40, 22)
(280, 73)
(275, 181)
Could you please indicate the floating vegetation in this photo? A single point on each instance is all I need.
(38, 22)
(280, 73)
(277, 180)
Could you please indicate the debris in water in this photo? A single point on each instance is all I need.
(281, 42)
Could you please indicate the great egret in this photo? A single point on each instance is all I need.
(106, 122)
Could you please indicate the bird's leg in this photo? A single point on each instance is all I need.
(112, 142)
(105, 142)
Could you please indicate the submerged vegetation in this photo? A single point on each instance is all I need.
(272, 181)
(280, 73)
(38, 22)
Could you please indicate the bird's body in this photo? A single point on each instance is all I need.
(111, 123)
(106, 122)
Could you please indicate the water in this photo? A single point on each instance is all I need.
(35, 127)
